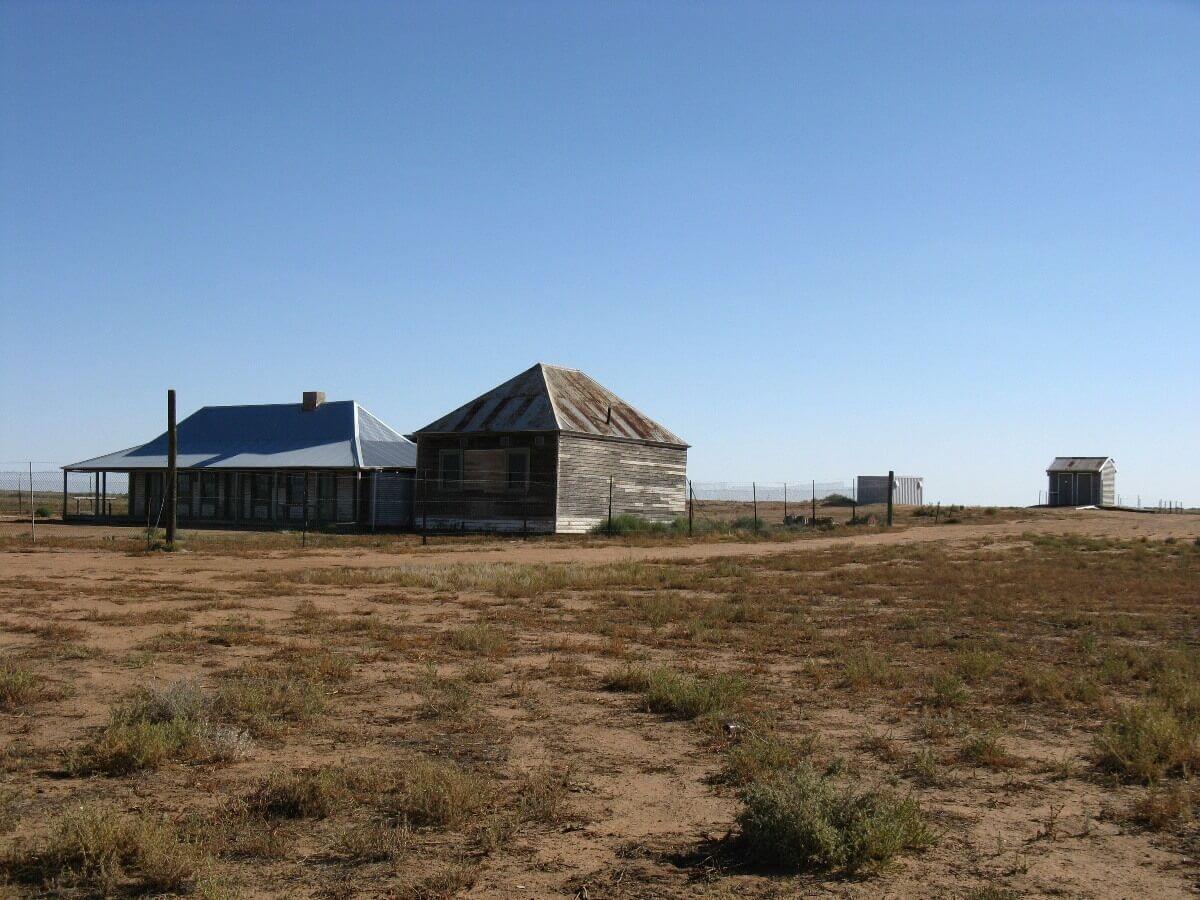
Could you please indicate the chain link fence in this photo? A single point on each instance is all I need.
(41, 492)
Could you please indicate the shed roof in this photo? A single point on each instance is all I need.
(1079, 463)
(336, 435)
(553, 398)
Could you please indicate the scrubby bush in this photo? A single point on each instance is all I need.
(1147, 741)
(158, 725)
(801, 820)
(97, 850)
(677, 694)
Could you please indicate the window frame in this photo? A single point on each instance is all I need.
(521, 485)
(444, 454)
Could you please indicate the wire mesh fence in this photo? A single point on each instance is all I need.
(509, 500)
(42, 492)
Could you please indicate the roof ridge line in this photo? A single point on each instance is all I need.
(541, 367)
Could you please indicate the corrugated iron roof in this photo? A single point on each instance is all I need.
(553, 398)
(1078, 464)
(335, 435)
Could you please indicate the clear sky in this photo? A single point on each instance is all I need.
(815, 239)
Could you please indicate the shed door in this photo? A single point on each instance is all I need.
(1066, 496)
(1083, 489)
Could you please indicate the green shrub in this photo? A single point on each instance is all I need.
(100, 852)
(158, 725)
(803, 821)
(759, 755)
(679, 695)
(1145, 742)
(303, 794)
(626, 524)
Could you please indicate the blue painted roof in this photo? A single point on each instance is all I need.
(336, 435)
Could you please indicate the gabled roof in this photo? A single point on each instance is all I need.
(553, 398)
(336, 435)
(1079, 464)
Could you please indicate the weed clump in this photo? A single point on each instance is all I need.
(1147, 741)
(20, 686)
(803, 821)
(678, 695)
(100, 851)
(158, 725)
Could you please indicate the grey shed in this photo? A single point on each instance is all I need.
(1082, 481)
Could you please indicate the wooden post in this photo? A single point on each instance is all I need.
(32, 509)
(785, 521)
(103, 493)
(814, 501)
(691, 505)
(891, 487)
(64, 495)
(937, 514)
(754, 498)
(304, 533)
(610, 485)
(172, 469)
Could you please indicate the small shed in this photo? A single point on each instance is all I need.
(1082, 481)
(907, 490)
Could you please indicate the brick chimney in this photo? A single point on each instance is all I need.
(311, 400)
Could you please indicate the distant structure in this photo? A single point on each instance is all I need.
(907, 490)
(1082, 481)
(277, 465)
(550, 450)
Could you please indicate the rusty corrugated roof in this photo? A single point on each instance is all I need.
(553, 398)
(1077, 464)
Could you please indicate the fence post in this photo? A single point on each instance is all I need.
(610, 487)
(64, 496)
(32, 509)
(814, 501)
(691, 505)
(172, 469)
(424, 513)
(937, 513)
(754, 497)
(785, 521)
(525, 515)
(304, 532)
(890, 489)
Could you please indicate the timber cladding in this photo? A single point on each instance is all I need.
(486, 497)
(648, 480)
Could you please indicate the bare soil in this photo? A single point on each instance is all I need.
(492, 655)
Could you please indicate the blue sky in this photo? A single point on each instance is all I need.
(815, 239)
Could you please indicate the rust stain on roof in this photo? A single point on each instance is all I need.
(553, 398)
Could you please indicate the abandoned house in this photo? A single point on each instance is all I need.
(1082, 481)
(274, 465)
(550, 450)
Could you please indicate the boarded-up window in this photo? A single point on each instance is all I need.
(450, 470)
(483, 471)
(517, 475)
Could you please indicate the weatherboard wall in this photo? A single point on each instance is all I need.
(648, 481)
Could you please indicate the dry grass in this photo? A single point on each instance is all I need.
(411, 730)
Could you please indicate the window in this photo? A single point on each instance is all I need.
(208, 486)
(450, 463)
(262, 487)
(517, 470)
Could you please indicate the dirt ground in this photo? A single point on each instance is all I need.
(465, 718)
